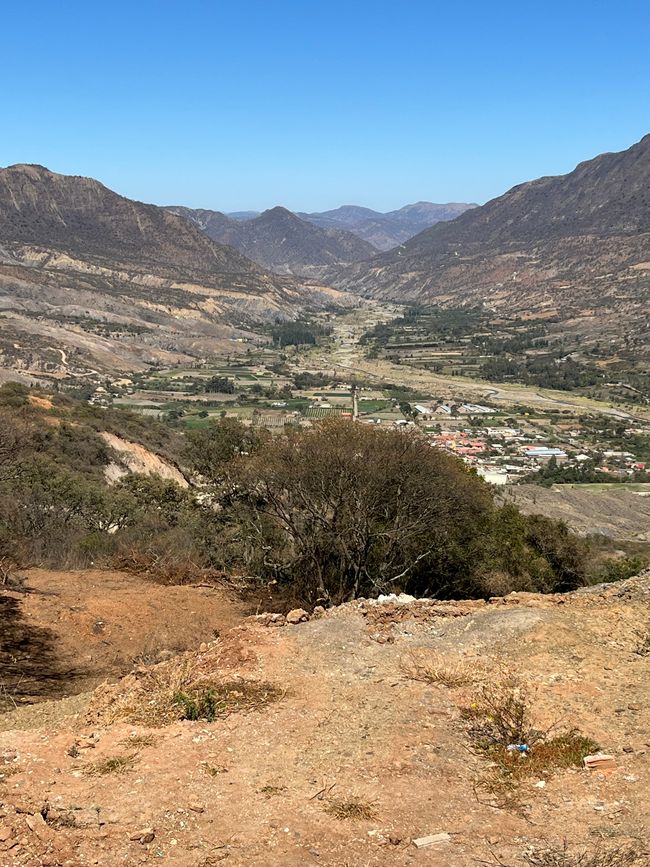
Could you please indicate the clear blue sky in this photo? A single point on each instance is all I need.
(312, 104)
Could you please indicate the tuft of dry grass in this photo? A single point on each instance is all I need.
(499, 715)
(502, 715)
(433, 668)
(209, 702)
(111, 765)
(352, 807)
(139, 740)
(564, 856)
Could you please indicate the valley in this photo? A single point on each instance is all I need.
(258, 476)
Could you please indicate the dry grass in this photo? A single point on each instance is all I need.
(222, 699)
(501, 715)
(137, 741)
(563, 856)
(183, 688)
(352, 807)
(111, 765)
(436, 669)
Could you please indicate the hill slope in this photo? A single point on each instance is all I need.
(342, 740)
(281, 241)
(577, 244)
(83, 271)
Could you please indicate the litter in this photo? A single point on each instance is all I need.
(432, 840)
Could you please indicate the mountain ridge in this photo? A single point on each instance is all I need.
(280, 240)
(91, 280)
(577, 245)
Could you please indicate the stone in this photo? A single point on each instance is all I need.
(6, 833)
(297, 615)
(146, 835)
(432, 840)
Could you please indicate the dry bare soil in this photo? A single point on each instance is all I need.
(340, 740)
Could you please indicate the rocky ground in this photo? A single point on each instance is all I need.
(343, 739)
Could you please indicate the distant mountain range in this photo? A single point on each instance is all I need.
(281, 241)
(383, 230)
(576, 246)
(387, 230)
(92, 280)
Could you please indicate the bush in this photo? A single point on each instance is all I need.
(346, 510)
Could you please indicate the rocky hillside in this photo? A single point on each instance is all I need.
(387, 230)
(374, 733)
(577, 245)
(281, 241)
(92, 280)
(82, 217)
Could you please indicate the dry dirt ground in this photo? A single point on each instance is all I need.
(64, 632)
(314, 714)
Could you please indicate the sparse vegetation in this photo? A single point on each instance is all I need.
(501, 727)
(352, 807)
(570, 856)
(111, 765)
(436, 669)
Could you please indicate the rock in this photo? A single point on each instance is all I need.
(6, 833)
(275, 620)
(318, 611)
(432, 840)
(628, 749)
(37, 824)
(144, 836)
(297, 615)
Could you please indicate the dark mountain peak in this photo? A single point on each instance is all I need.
(278, 213)
(281, 240)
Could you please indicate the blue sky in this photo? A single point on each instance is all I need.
(314, 104)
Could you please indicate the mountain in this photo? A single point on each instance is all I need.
(387, 230)
(92, 280)
(281, 241)
(576, 246)
(242, 215)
